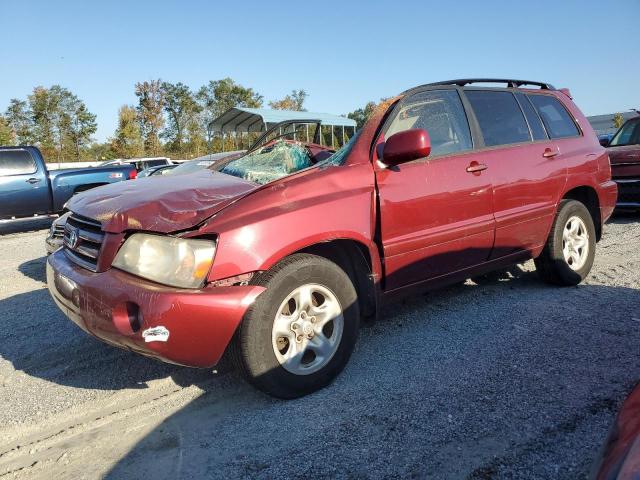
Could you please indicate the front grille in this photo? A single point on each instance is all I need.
(82, 241)
(58, 231)
(629, 192)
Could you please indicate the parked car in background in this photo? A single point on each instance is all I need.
(624, 153)
(204, 162)
(157, 170)
(27, 188)
(620, 456)
(139, 163)
(279, 254)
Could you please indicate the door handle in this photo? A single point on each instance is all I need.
(33, 180)
(550, 152)
(475, 167)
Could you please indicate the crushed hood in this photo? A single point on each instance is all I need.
(624, 154)
(160, 204)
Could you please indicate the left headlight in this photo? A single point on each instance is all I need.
(177, 262)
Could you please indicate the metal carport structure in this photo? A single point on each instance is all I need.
(239, 120)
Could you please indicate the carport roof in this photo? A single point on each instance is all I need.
(242, 119)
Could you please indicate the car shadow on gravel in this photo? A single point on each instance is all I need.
(508, 378)
(470, 380)
(35, 269)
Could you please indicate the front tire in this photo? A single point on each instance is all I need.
(568, 255)
(299, 334)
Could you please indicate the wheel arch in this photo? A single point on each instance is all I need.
(356, 260)
(588, 196)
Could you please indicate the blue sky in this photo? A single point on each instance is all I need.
(342, 53)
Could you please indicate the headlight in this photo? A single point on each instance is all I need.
(171, 261)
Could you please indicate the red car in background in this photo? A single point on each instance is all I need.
(279, 254)
(620, 456)
(624, 152)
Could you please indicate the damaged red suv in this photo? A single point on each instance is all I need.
(277, 256)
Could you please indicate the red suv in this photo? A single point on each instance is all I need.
(279, 254)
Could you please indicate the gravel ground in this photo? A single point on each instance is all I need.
(505, 379)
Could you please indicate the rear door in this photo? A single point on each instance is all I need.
(24, 189)
(526, 166)
(435, 216)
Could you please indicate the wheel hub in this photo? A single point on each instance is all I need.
(307, 329)
(575, 243)
(303, 327)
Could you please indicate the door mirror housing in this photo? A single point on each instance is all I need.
(604, 141)
(406, 146)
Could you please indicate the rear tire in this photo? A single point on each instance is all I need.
(568, 255)
(299, 333)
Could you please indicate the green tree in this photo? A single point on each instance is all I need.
(618, 120)
(150, 106)
(127, 140)
(182, 111)
(7, 136)
(20, 120)
(294, 101)
(362, 115)
(218, 96)
(42, 110)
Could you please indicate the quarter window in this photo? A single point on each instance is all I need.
(500, 118)
(16, 162)
(441, 114)
(555, 117)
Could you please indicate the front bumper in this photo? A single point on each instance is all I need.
(187, 327)
(628, 192)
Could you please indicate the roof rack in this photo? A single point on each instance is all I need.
(466, 81)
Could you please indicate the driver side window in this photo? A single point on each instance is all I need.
(441, 114)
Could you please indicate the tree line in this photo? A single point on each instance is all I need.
(168, 119)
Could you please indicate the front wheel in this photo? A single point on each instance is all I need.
(568, 256)
(300, 332)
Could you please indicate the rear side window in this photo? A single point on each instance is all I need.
(500, 118)
(441, 114)
(16, 162)
(535, 124)
(556, 119)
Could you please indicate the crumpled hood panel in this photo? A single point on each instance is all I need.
(624, 154)
(160, 204)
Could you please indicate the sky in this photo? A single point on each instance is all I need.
(343, 53)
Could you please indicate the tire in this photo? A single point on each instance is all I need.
(552, 265)
(267, 359)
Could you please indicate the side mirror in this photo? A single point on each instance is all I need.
(604, 142)
(406, 146)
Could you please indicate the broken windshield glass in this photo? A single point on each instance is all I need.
(270, 163)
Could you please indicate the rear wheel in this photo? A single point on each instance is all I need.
(568, 256)
(299, 334)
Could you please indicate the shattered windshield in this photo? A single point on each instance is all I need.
(270, 163)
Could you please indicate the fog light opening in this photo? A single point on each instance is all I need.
(127, 318)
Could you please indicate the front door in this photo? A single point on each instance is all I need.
(436, 215)
(24, 190)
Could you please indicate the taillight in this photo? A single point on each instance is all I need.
(133, 174)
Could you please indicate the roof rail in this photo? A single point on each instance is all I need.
(466, 81)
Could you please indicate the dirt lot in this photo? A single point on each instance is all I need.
(507, 379)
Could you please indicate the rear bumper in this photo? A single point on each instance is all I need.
(187, 327)
(608, 196)
(628, 192)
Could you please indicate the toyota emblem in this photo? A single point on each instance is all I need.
(73, 238)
